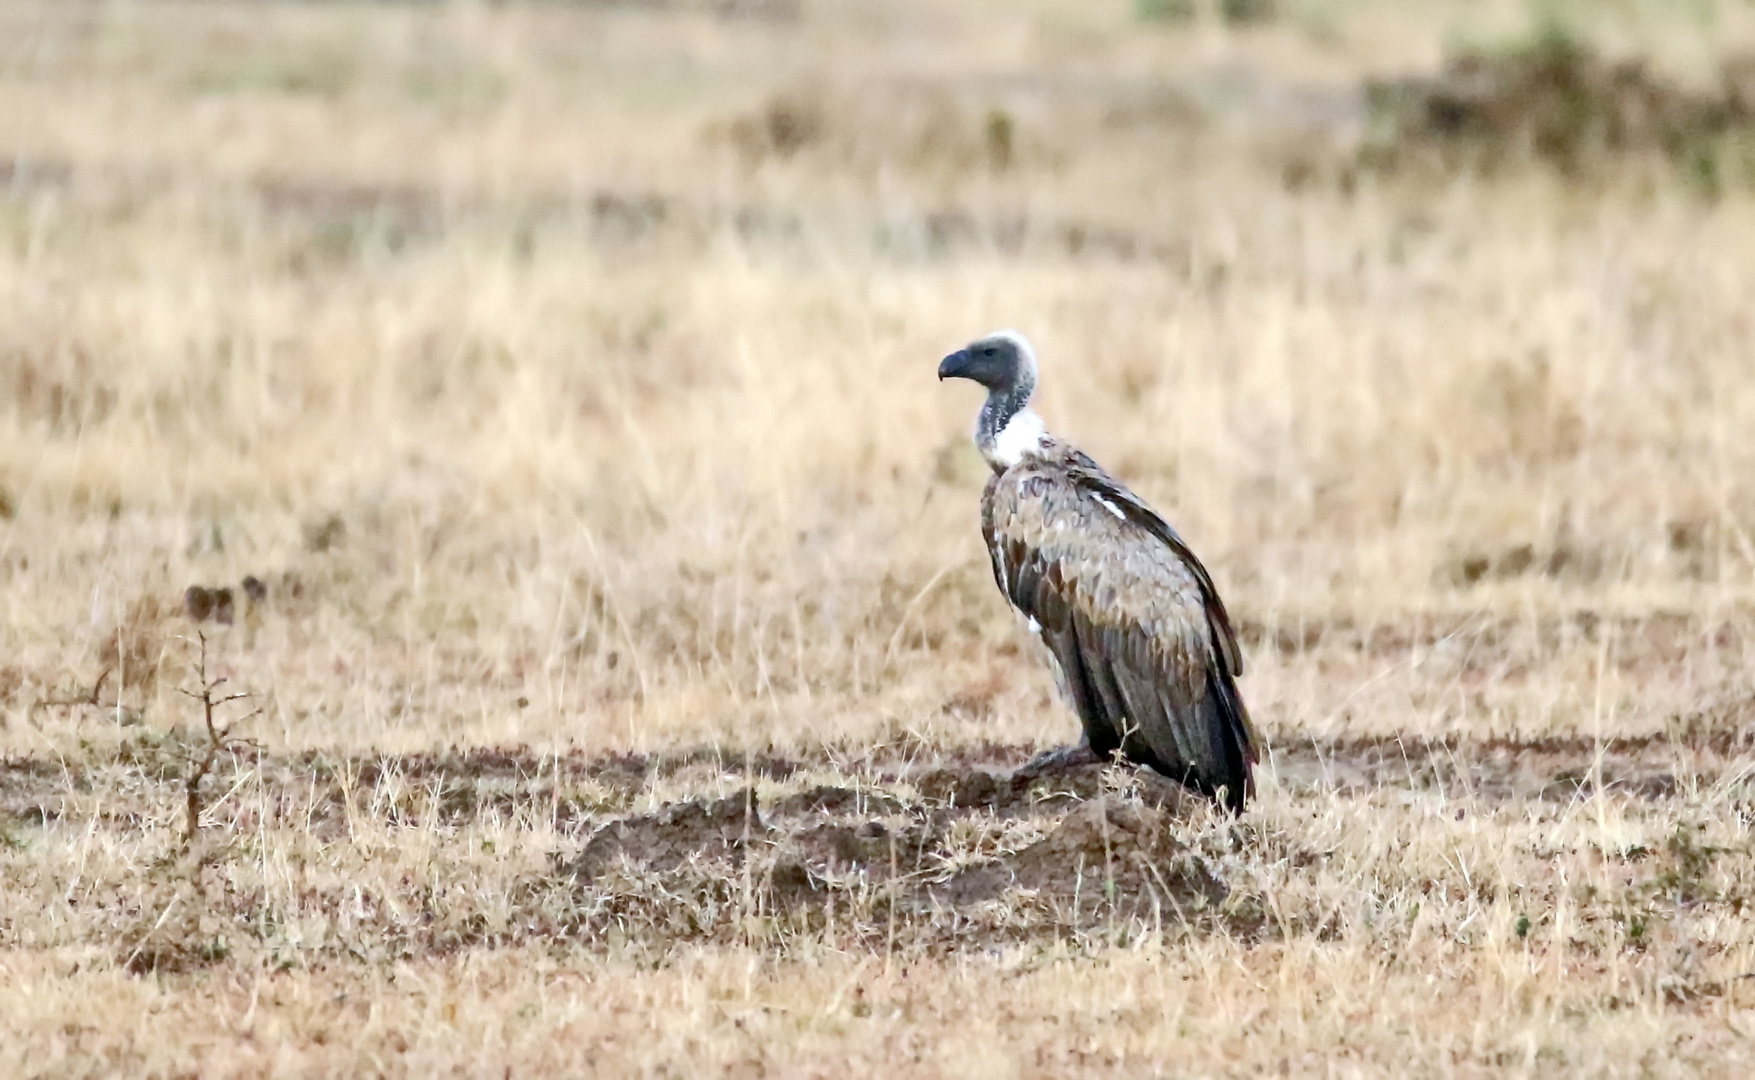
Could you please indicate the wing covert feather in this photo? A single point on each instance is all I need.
(1145, 646)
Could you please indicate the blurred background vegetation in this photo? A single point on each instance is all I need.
(532, 405)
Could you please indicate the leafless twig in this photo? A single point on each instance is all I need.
(220, 740)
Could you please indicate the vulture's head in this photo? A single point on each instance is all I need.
(1002, 362)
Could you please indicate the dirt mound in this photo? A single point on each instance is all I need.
(1119, 855)
(827, 799)
(1021, 793)
(872, 846)
(680, 833)
(970, 789)
(1126, 846)
(979, 857)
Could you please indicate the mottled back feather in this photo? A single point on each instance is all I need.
(1145, 648)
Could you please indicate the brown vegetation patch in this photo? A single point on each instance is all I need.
(779, 11)
(137, 648)
(920, 124)
(1556, 100)
(1644, 642)
(21, 174)
(1505, 771)
(341, 222)
(1519, 560)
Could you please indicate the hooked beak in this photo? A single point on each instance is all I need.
(955, 366)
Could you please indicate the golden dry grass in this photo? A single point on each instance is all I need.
(564, 370)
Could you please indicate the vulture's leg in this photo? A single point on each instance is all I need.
(1060, 759)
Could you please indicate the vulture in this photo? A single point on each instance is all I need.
(1146, 652)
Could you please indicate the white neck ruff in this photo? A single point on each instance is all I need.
(1022, 436)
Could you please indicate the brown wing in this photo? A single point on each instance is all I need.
(1090, 475)
(1144, 645)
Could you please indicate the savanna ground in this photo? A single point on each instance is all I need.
(628, 692)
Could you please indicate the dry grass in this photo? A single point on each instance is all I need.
(564, 373)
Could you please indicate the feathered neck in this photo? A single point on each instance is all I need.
(1007, 431)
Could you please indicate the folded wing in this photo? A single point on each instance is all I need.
(1145, 647)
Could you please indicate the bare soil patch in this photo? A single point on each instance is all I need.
(950, 854)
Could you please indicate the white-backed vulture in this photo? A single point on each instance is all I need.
(1145, 649)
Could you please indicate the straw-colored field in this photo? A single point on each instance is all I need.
(628, 690)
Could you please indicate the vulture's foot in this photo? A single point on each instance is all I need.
(1060, 759)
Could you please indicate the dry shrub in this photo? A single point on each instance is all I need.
(784, 125)
(923, 126)
(1520, 411)
(63, 392)
(179, 927)
(137, 648)
(1231, 12)
(778, 11)
(1555, 100)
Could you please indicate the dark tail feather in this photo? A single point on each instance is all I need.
(1229, 729)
